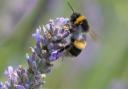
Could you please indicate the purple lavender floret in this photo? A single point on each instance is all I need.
(1, 85)
(50, 42)
(20, 87)
(37, 35)
(53, 56)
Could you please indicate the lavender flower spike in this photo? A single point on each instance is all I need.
(50, 42)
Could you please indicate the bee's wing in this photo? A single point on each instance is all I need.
(93, 35)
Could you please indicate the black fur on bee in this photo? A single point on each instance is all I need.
(79, 20)
(74, 51)
(74, 16)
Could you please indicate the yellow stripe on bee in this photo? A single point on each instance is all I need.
(79, 19)
(80, 44)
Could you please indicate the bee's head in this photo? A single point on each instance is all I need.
(80, 20)
(74, 16)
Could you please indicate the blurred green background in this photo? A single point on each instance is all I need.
(102, 65)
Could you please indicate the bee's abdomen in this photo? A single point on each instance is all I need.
(75, 51)
(77, 47)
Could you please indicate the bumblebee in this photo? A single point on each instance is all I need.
(77, 21)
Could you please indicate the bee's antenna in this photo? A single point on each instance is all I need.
(70, 6)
